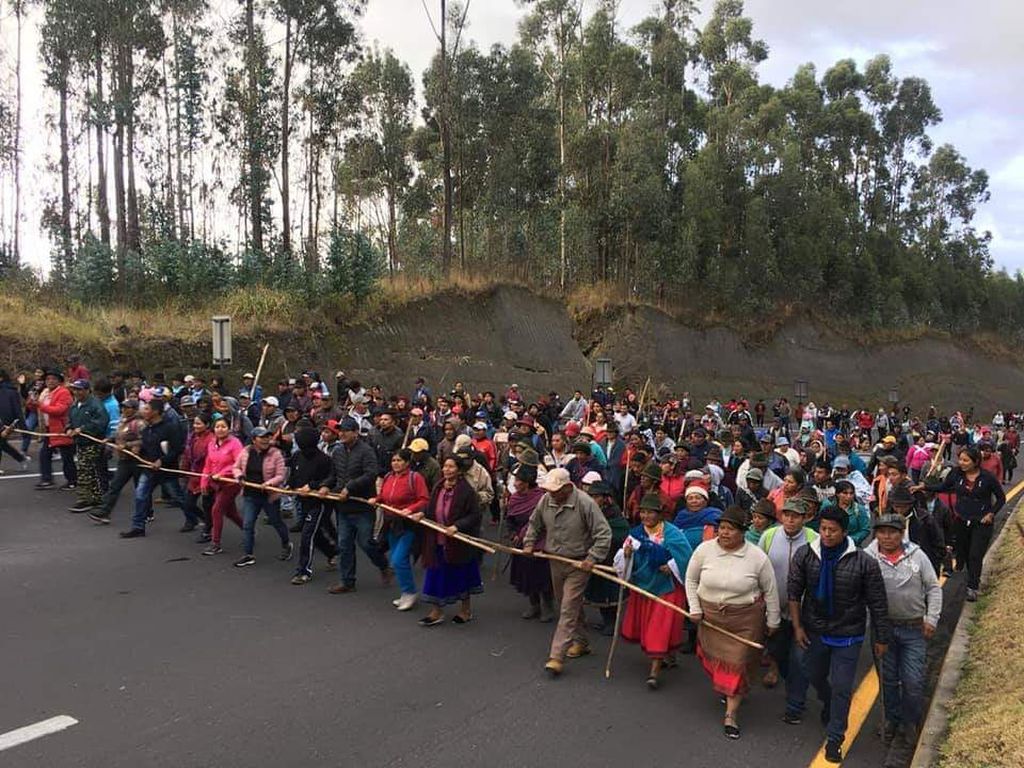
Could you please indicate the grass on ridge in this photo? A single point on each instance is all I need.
(986, 728)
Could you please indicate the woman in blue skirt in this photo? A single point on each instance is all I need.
(452, 568)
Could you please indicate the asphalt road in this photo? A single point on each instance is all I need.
(167, 658)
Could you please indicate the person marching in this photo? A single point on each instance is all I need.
(601, 593)
(87, 418)
(574, 527)
(452, 568)
(915, 605)
(655, 556)
(310, 467)
(260, 464)
(217, 469)
(128, 438)
(730, 582)
(406, 490)
(531, 576)
(832, 587)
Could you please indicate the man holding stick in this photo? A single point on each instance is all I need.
(575, 528)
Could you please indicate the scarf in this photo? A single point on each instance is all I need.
(827, 577)
(706, 516)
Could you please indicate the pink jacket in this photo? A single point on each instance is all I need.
(220, 460)
(273, 467)
(917, 457)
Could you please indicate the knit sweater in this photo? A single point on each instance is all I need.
(737, 577)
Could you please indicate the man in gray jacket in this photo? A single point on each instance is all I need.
(575, 527)
(915, 603)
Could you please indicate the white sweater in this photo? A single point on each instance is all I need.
(739, 577)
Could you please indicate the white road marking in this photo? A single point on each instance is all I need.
(35, 731)
(21, 477)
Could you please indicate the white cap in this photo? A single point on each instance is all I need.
(592, 477)
(555, 480)
(272, 401)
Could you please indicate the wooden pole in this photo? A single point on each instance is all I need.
(618, 620)
(259, 370)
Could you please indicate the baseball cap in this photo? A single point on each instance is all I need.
(248, 376)
(187, 400)
(80, 384)
(890, 521)
(419, 445)
(555, 480)
(479, 425)
(755, 474)
(782, 440)
(272, 401)
(841, 461)
(348, 424)
(889, 439)
(260, 432)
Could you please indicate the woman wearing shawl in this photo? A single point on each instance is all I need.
(654, 557)
(696, 519)
(601, 593)
(531, 576)
(731, 583)
(452, 568)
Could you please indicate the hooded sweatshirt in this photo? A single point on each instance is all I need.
(911, 587)
(310, 466)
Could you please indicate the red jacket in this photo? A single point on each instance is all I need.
(56, 406)
(407, 491)
(486, 447)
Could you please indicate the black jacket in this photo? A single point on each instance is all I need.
(355, 468)
(309, 465)
(10, 405)
(859, 589)
(926, 531)
(986, 496)
(163, 431)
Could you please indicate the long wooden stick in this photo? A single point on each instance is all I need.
(259, 370)
(618, 622)
(483, 544)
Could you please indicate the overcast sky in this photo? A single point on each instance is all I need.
(970, 51)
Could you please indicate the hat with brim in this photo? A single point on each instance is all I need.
(890, 521)
(755, 474)
(601, 488)
(900, 494)
(652, 471)
(419, 445)
(651, 501)
(764, 508)
(735, 515)
(794, 506)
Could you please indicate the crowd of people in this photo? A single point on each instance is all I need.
(778, 530)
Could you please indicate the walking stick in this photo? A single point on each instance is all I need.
(618, 619)
(259, 370)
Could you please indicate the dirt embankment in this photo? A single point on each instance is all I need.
(510, 335)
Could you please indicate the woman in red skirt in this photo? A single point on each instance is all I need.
(655, 556)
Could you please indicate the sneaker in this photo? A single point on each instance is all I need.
(287, 552)
(204, 538)
(792, 718)
(150, 517)
(332, 562)
(44, 485)
(68, 486)
(972, 595)
(408, 602)
(132, 533)
(301, 578)
(833, 752)
(26, 465)
(80, 508)
(216, 549)
(245, 560)
(187, 528)
(100, 517)
(396, 601)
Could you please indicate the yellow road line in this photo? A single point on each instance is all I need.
(867, 692)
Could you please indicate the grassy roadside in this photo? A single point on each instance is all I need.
(986, 727)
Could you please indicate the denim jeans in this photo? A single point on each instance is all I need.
(252, 505)
(903, 672)
(143, 499)
(356, 527)
(67, 460)
(832, 672)
(787, 654)
(400, 543)
(31, 422)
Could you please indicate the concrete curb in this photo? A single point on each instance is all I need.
(936, 724)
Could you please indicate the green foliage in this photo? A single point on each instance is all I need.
(354, 265)
(92, 275)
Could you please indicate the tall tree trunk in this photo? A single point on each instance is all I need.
(563, 261)
(392, 228)
(65, 180)
(134, 232)
(120, 209)
(253, 159)
(19, 13)
(446, 145)
(102, 204)
(286, 216)
(169, 178)
(185, 230)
